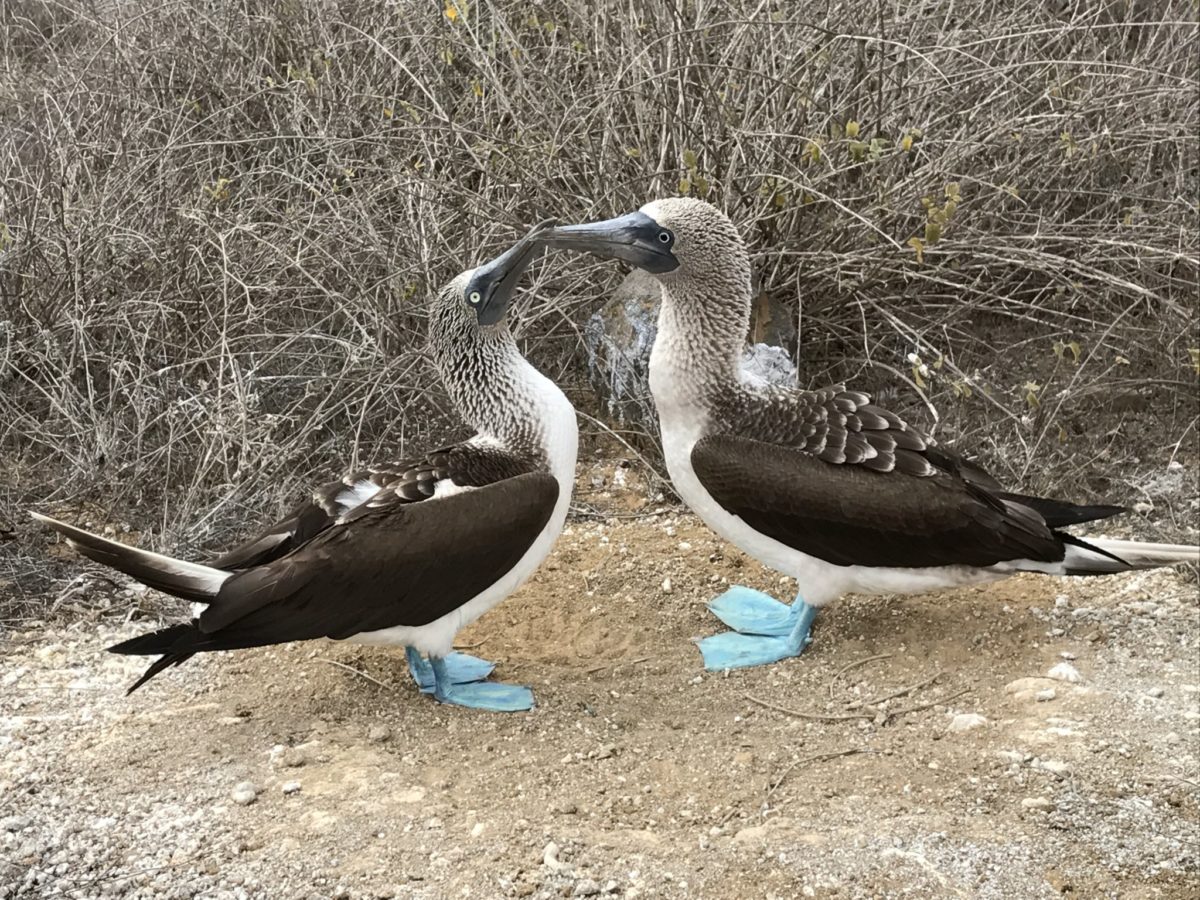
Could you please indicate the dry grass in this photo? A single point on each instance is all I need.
(219, 223)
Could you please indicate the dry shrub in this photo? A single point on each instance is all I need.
(219, 223)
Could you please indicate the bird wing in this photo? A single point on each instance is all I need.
(841, 509)
(388, 562)
(832, 424)
(469, 464)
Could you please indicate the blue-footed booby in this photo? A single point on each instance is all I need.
(402, 554)
(824, 486)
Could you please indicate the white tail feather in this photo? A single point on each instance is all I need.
(192, 581)
(1143, 555)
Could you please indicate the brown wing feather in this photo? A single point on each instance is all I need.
(409, 481)
(838, 426)
(393, 563)
(851, 515)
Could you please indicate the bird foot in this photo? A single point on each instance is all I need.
(458, 679)
(460, 668)
(734, 650)
(752, 612)
(487, 695)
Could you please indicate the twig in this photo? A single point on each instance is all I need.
(358, 672)
(816, 757)
(821, 717)
(479, 643)
(905, 690)
(846, 668)
(921, 706)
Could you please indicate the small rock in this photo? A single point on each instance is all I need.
(666, 586)
(244, 794)
(551, 861)
(1064, 671)
(585, 887)
(1053, 766)
(1045, 696)
(606, 751)
(1155, 692)
(291, 787)
(294, 757)
(379, 734)
(1038, 803)
(478, 829)
(966, 721)
(14, 823)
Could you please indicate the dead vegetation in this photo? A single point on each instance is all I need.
(219, 223)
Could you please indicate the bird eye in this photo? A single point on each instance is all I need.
(475, 297)
(664, 237)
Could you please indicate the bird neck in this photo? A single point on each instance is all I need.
(701, 333)
(496, 390)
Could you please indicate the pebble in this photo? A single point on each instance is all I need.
(294, 757)
(244, 794)
(1053, 766)
(1064, 671)
(379, 734)
(1038, 803)
(551, 861)
(1155, 692)
(478, 829)
(14, 823)
(966, 721)
(1045, 696)
(291, 787)
(586, 888)
(666, 586)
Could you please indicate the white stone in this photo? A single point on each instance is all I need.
(244, 794)
(966, 721)
(1064, 671)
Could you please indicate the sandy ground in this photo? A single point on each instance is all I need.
(1030, 739)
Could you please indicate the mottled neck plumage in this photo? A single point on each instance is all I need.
(485, 374)
(702, 328)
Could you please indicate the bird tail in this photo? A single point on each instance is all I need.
(176, 644)
(1105, 556)
(1145, 555)
(189, 580)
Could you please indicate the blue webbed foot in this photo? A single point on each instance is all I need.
(486, 695)
(733, 650)
(753, 612)
(461, 668)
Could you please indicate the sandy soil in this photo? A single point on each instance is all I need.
(858, 770)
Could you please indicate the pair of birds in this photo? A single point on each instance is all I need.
(822, 485)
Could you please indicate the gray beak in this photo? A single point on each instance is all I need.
(490, 289)
(635, 238)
